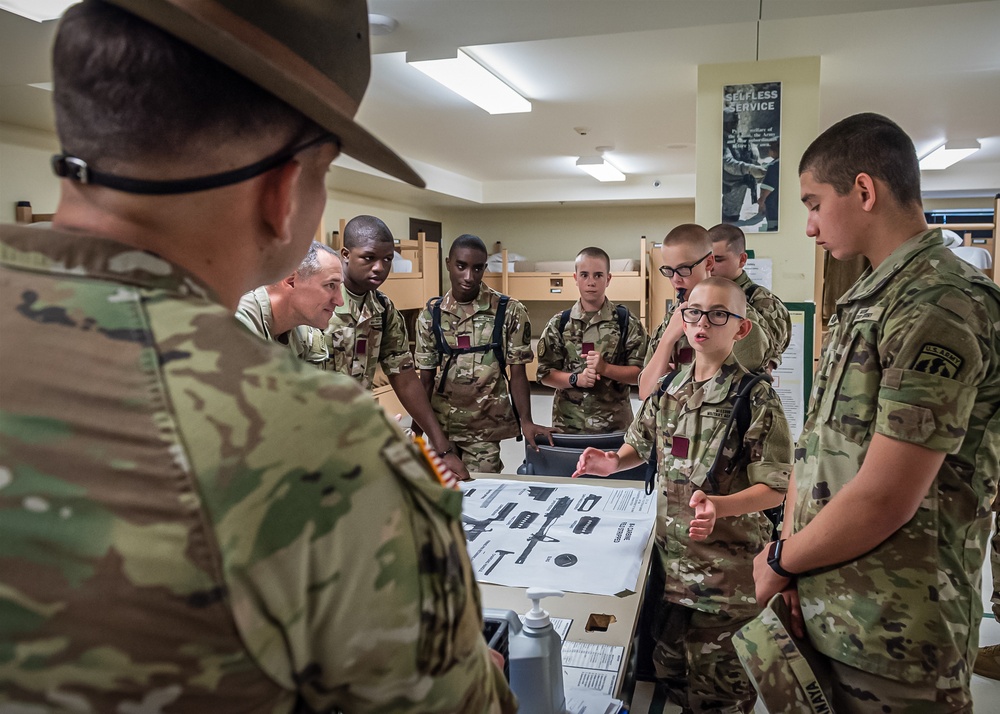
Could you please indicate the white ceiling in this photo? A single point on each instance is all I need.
(627, 70)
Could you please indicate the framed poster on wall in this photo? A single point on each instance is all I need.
(751, 146)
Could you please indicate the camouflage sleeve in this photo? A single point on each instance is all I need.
(309, 344)
(394, 351)
(517, 331)
(642, 432)
(932, 362)
(768, 440)
(249, 315)
(426, 355)
(346, 567)
(755, 350)
(655, 339)
(776, 320)
(636, 343)
(551, 348)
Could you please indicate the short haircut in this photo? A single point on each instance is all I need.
(467, 240)
(594, 252)
(126, 91)
(738, 299)
(865, 143)
(689, 234)
(362, 230)
(310, 264)
(736, 241)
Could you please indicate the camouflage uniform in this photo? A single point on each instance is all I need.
(194, 521)
(912, 354)
(774, 317)
(307, 343)
(474, 409)
(362, 334)
(753, 352)
(712, 579)
(606, 406)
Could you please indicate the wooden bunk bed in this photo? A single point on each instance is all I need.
(541, 286)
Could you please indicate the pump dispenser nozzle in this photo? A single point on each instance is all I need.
(537, 617)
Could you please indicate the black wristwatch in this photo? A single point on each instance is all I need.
(572, 379)
(774, 559)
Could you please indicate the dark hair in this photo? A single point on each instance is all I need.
(310, 264)
(362, 230)
(125, 90)
(467, 240)
(736, 242)
(594, 252)
(688, 234)
(865, 143)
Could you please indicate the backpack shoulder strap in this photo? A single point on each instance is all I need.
(623, 316)
(499, 348)
(740, 417)
(563, 321)
(434, 305)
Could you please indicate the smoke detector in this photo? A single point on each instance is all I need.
(381, 24)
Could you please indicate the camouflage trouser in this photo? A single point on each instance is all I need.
(855, 691)
(481, 456)
(695, 660)
(995, 563)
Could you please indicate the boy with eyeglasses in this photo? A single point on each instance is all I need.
(688, 260)
(712, 487)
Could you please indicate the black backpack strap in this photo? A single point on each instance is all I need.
(563, 321)
(740, 416)
(443, 348)
(651, 463)
(383, 300)
(622, 313)
(499, 346)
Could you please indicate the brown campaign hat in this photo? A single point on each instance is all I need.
(313, 54)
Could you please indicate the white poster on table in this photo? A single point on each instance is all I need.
(573, 537)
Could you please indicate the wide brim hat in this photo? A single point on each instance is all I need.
(312, 54)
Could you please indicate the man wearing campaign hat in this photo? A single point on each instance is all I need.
(192, 520)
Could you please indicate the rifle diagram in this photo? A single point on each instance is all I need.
(582, 538)
(556, 511)
(475, 527)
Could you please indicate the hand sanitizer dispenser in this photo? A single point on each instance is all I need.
(536, 660)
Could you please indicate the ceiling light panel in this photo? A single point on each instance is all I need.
(469, 79)
(37, 10)
(948, 154)
(599, 168)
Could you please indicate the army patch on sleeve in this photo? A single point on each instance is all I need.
(937, 360)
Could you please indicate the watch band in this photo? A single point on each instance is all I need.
(774, 559)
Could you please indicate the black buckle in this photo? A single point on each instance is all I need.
(71, 167)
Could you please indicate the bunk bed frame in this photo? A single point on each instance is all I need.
(628, 286)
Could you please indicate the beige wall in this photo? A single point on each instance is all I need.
(560, 232)
(25, 174)
(792, 252)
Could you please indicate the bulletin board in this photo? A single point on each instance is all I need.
(793, 379)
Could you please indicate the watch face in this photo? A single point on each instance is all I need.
(572, 380)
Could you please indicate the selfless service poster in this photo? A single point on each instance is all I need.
(751, 147)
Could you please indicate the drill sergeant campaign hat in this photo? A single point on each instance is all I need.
(788, 674)
(312, 54)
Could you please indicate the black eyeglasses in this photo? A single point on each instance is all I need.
(683, 270)
(692, 315)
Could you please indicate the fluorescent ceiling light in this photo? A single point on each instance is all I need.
(466, 77)
(37, 10)
(47, 86)
(948, 154)
(599, 168)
